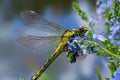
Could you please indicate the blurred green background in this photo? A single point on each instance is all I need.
(13, 58)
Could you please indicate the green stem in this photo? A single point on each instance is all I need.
(98, 72)
(107, 51)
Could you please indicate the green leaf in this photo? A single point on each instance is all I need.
(117, 39)
(89, 35)
(101, 53)
(98, 72)
(71, 57)
(112, 66)
(79, 11)
(108, 29)
(107, 78)
(110, 46)
(104, 49)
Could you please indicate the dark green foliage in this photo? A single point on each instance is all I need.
(112, 66)
(71, 57)
(79, 11)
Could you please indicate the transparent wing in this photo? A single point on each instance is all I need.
(44, 45)
(38, 43)
(35, 20)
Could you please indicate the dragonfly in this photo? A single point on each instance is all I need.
(60, 34)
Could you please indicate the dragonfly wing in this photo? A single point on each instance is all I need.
(45, 45)
(42, 44)
(35, 20)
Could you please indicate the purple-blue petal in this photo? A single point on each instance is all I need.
(116, 75)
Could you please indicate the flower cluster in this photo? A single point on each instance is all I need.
(77, 48)
(110, 8)
(114, 25)
(115, 36)
(103, 6)
(109, 11)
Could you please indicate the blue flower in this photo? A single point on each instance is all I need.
(116, 75)
(114, 26)
(76, 46)
(93, 21)
(99, 37)
(73, 46)
(75, 49)
(115, 34)
(102, 6)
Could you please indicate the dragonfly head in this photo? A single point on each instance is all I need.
(80, 31)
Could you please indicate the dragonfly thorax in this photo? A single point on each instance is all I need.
(80, 31)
